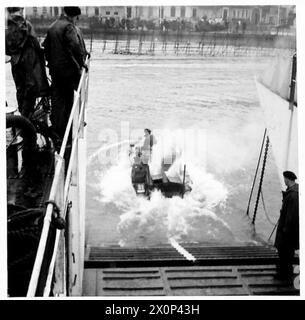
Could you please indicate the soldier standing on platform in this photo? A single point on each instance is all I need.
(287, 234)
(65, 54)
(27, 61)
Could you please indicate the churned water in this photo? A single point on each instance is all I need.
(206, 104)
(209, 105)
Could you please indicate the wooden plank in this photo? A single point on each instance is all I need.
(258, 274)
(275, 290)
(244, 283)
(166, 285)
(233, 291)
(146, 292)
(199, 269)
(204, 277)
(89, 282)
(136, 284)
(205, 283)
(182, 281)
(252, 268)
(133, 277)
(99, 283)
(136, 271)
(217, 271)
(136, 263)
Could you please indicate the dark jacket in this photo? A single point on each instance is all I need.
(16, 33)
(27, 59)
(82, 43)
(63, 49)
(287, 234)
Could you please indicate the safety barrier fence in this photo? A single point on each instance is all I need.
(189, 47)
(58, 266)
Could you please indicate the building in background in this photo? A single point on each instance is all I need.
(43, 12)
(255, 15)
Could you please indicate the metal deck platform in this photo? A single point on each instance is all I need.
(185, 281)
(163, 271)
(103, 257)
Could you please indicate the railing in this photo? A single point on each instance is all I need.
(239, 45)
(62, 271)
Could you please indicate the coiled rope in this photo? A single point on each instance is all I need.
(25, 214)
(24, 258)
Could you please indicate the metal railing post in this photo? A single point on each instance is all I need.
(60, 194)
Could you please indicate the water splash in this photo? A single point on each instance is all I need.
(150, 222)
(105, 148)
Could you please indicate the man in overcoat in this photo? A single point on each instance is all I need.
(27, 61)
(65, 54)
(287, 234)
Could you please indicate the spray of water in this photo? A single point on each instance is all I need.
(156, 221)
(105, 148)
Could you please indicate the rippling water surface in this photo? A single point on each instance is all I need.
(215, 95)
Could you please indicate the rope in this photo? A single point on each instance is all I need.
(30, 232)
(254, 180)
(273, 231)
(261, 180)
(24, 214)
(22, 259)
(266, 214)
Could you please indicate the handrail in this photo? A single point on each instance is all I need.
(48, 216)
(65, 139)
(66, 194)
